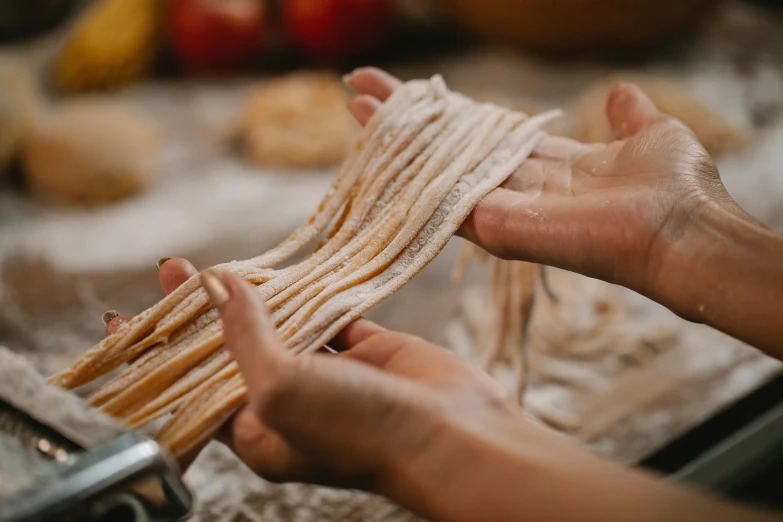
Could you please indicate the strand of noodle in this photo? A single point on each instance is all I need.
(173, 396)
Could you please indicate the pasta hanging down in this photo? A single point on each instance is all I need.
(422, 163)
(512, 297)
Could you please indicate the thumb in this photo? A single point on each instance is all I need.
(629, 110)
(323, 405)
(248, 330)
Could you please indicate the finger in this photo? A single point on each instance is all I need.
(513, 227)
(173, 272)
(629, 110)
(278, 389)
(113, 321)
(373, 81)
(363, 107)
(248, 330)
(316, 402)
(536, 231)
(353, 334)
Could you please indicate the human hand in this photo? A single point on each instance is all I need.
(615, 212)
(389, 414)
(347, 419)
(378, 374)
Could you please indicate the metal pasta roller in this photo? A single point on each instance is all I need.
(61, 460)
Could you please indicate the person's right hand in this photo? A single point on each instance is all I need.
(398, 416)
(391, 414)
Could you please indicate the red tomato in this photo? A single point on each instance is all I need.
(337, 29)
(215, 35)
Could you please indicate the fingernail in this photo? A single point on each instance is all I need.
(159, 262)
(216, 289)
(108, 316)
(347, 78)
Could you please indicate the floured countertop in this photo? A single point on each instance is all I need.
(63, 267)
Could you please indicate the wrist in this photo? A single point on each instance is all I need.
(506, 468)
(723, 270)
(480, 466)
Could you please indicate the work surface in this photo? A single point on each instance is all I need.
(63, 267)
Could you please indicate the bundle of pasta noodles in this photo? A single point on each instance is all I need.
(423, 162)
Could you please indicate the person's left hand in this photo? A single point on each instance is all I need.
(627, 212)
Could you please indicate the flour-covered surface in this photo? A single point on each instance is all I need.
(227, 490)
(63, 267)
(613, 370)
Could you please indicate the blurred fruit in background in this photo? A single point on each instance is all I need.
(91, 151)
(20, 104)
(337, 30)
(117, 41)
(111, 45)
(577, 25)
(20, 18)
(215, 35)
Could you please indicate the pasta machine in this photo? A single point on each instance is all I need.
(61, 460)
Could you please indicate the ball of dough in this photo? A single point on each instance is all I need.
(298, 120)
(91, 152)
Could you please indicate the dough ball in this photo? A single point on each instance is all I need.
(299, 120)
(91, 151)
